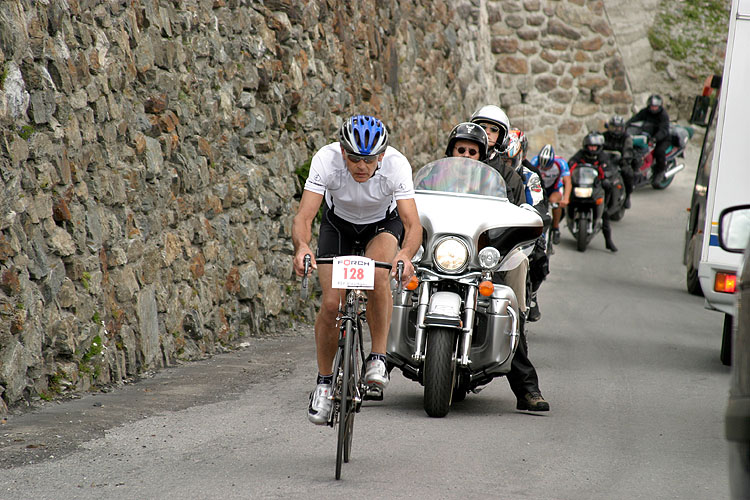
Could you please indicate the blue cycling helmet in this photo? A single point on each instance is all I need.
(363, 135)
(546, 156)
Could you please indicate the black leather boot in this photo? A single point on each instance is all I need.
(608, 236)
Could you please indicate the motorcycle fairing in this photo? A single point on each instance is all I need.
(470, 217)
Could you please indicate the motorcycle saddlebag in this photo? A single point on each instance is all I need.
(493, 343)
(679, 136)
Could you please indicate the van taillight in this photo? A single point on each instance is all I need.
(725, 283)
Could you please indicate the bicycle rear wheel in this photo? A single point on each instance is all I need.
(348, 393)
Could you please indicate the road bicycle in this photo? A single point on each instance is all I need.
(348, 387)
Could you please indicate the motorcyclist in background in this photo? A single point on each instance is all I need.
(556, 181)
(593, 153)
(515, 156)
(617, 139)
(656, 123)
(470, 140)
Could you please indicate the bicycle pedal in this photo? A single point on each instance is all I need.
(374, 394)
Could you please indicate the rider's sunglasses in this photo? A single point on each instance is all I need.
(358, 158)
(491, 128)
(461, 150)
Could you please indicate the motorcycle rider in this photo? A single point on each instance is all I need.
(617, 139)
(515, 156)
(360, 167)
(471, 141)
(656, 122)
(495, 123)
(593, 153)
(557, 185)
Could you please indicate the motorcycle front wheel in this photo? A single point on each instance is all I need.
(582, 237)
(439, 371)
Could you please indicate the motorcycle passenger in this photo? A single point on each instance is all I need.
(617, 139)
(471, 141)
(593, 153)
(656, 123)
(496, 124)
(369, 201)
(515, 156)
(556, 181)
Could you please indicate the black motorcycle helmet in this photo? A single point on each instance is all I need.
(593, 139)
(470, 132)
(616, 125)
(654, 103)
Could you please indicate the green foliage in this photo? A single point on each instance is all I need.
(96, 318)
(95, 349)
(657, 39)
(692, 33)
(3, 76)
(85, 279)
(302, 172)
(25, 132)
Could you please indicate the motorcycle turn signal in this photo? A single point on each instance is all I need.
(413, 283)
(486, 288)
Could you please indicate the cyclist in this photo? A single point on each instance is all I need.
(470, 140)
(557, 185)
(369, 202)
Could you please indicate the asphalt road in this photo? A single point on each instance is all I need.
(626, 357)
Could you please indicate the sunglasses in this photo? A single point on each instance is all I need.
(358, 158)
(491, 128)
(461, 150)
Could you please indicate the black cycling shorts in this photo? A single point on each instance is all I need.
(340, 237)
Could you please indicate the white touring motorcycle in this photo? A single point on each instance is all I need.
(454, 330)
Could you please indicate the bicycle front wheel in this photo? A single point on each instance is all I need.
(348, 394)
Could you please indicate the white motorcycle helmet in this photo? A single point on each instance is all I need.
(495, 115)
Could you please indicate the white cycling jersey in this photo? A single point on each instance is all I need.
(355, 202)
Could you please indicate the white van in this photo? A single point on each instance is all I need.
(729, 180)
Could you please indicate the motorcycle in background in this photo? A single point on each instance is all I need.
(616, 204)
(643, 147)
(586, 205)
(453, 330)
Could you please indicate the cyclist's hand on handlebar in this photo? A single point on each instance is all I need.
(299, 261)
(408, 271)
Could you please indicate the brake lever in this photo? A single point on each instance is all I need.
(304, 290)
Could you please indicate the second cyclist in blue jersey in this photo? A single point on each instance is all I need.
(367, 193)
(556, 182)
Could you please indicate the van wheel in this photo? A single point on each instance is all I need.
(726, 341)
(693, 283)
(691, 277)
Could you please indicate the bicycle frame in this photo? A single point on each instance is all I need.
(349, 364)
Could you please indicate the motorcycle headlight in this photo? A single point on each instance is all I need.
(489, 258)
(451, 255)
(583, 192)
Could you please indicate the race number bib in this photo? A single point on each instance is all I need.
(353, 272)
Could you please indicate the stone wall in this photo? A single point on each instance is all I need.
(149, 152)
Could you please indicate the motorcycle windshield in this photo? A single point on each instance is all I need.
(584, 175)
(460, 176)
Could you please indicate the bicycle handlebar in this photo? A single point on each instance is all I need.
(305, 292)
